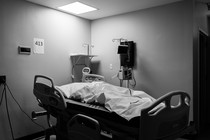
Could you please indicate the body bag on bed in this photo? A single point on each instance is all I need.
(125, 102)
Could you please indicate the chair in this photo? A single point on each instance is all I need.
(82, 127)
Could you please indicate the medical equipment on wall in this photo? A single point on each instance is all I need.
(88, 46)
(126, 52)
(125, 73)
(79, 61)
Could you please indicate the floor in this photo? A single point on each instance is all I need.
(203, 136)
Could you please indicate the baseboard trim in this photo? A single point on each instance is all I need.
(32, 136)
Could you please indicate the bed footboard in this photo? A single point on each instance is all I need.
(168, 121)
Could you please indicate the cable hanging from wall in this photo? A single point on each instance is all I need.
(4, 95)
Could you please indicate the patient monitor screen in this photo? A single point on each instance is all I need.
(126, 51)
(122, 49)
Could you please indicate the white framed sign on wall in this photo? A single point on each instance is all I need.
(38, 46)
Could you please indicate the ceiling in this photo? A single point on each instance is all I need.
(106, 7)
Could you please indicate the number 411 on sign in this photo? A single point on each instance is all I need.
(38, 46)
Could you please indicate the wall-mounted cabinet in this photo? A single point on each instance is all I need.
(79, 61)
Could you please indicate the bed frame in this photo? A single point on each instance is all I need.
(168, 122)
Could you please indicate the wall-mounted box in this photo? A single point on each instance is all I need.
(2, 79)
(24, 50)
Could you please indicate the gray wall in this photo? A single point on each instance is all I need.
(201, 13)
(164, 47)
(63, 34)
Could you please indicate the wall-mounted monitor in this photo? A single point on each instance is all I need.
(126, 51)
(122, 49)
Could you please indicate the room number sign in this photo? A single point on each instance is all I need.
(38, 46)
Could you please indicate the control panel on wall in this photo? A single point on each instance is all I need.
(24, 50)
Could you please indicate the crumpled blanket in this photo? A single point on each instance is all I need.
(125, 102)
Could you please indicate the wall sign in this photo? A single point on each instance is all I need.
(38, 46)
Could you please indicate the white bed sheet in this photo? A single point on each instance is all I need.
(125, 102)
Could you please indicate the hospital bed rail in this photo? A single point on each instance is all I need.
(170, 121)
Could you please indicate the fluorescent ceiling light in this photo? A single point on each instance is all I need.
(77, 8)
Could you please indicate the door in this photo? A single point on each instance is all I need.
(204, 98)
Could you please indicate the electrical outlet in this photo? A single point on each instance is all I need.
(110, 66)
(2, 79)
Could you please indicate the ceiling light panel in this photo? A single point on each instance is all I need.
(77, 8)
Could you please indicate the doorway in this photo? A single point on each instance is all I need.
(204, 94)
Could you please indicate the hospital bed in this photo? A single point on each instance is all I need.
(155, 123)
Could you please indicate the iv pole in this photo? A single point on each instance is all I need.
(121, 72)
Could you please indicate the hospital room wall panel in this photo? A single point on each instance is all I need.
(163, 37)
(63, 34)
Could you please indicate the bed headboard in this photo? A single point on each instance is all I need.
(47, 95)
